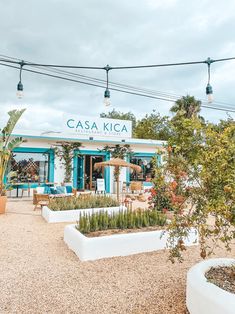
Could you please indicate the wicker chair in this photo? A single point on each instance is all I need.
(41, 200)
(136, 187)
(74, 193)
(85, 195)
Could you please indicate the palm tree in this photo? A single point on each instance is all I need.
(187, 107)
(7, 144)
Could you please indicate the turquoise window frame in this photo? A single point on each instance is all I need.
(40, 150)
(128, 175)
(90, 152)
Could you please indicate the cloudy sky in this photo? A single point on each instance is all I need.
(118, 33)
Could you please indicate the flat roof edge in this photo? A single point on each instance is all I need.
(94, 140)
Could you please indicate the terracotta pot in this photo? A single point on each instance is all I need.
(3, 201)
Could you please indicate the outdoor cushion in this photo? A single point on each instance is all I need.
(60, 189)
(53, 190)
(69, 189)
(146, 183)
(40, 189)
(47, 190)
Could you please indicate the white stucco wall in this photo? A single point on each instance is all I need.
(59, 171)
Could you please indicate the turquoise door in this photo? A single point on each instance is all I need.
(80, 169)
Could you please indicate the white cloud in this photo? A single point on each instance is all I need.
(94, 33)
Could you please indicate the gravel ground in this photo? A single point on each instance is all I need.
(39, 274)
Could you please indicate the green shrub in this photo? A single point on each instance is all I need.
(91, 201)
(124, 219)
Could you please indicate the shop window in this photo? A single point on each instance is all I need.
(30, 167)
(146, 163)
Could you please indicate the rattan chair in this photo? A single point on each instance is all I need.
(41, 200)
(136, 187)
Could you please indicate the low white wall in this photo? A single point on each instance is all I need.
(52, 216)
(118, 244)
(203, 297)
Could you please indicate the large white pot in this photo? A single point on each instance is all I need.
(203, 297)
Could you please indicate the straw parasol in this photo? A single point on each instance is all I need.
(117, 163)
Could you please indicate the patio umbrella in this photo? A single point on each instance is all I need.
(117, 163)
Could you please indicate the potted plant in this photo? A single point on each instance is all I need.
(7, 144)
(199, 179)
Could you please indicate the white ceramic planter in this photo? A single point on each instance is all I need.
(117, 244)
(203, 297)
(72, 215)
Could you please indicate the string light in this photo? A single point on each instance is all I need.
(20, 88)
(107, 102)
(209, 90)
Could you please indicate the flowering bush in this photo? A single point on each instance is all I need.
(197, 181)
(167, 195)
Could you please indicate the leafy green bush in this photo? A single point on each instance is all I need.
(124, 219)
(91, 201)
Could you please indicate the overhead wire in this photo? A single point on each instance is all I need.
(116, 89)
(110, 82)
(154, 92)
(138, 91)
(124, 67)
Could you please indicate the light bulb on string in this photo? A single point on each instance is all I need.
(19, 92)
(209, 93)
(107, 101)
(20, 87)
(209, 90)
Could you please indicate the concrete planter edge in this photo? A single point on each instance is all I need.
(72, 215)
(203, 297)
(118, 244)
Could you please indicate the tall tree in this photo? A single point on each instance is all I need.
(153, 127)
(186, 107)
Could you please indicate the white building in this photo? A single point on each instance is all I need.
(36, 162)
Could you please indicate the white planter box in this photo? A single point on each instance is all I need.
(72, 215)
(117, 244)
(203, 297)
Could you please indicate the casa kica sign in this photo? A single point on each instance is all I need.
(98, 126)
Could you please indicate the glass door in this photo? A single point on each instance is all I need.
(90, 174)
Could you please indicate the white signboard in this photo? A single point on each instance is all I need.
(100, 186)
(97, 126)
